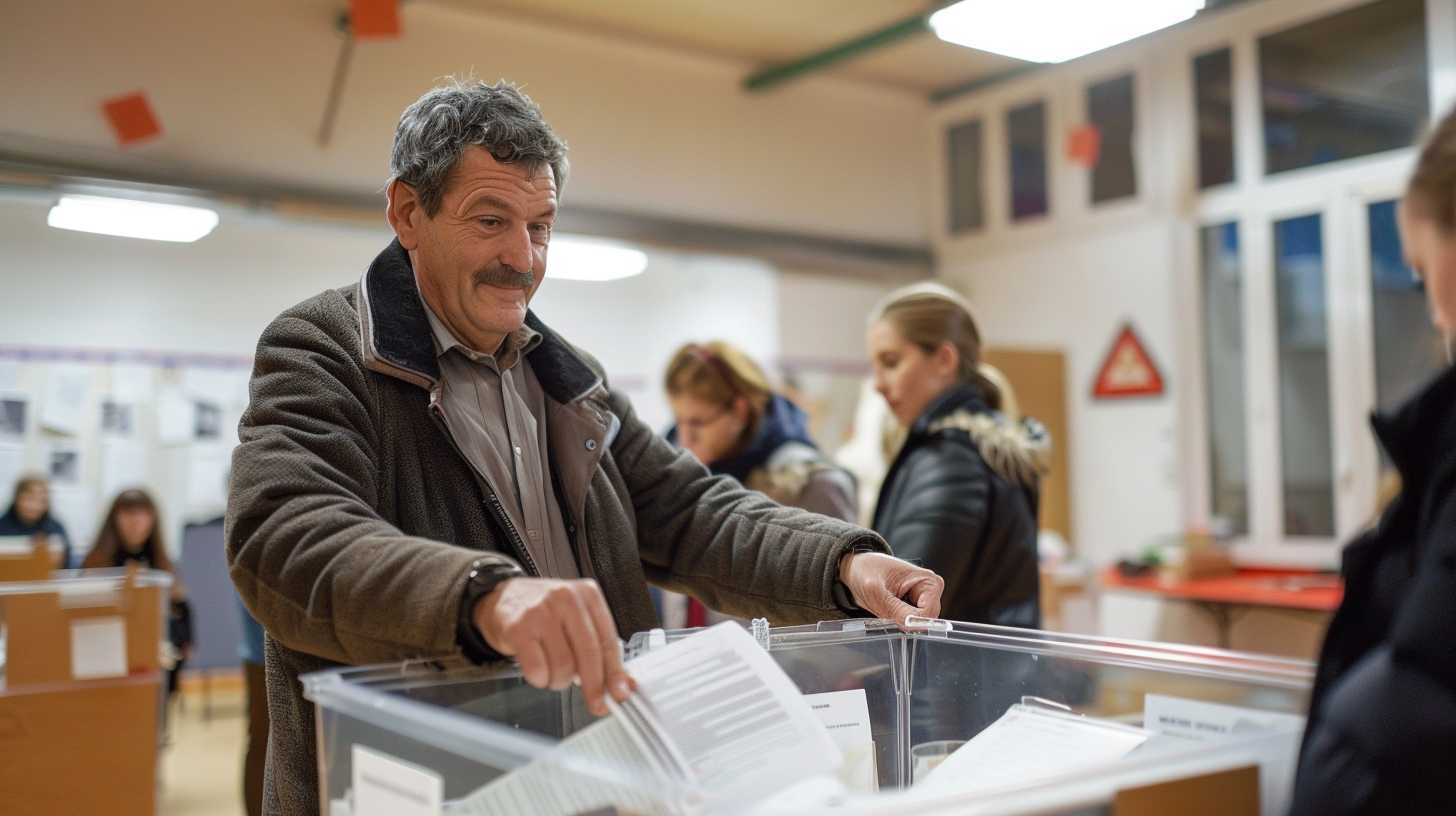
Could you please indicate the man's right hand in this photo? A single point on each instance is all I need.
(557, 630)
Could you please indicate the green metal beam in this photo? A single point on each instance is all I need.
(773, 75)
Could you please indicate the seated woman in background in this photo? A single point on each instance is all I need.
(30, 515)
(130, 533)
(729, 417)
(961, 496)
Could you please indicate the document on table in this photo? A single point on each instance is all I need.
(715, 726)
(1029, 743)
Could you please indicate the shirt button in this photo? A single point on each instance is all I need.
(518, 450)
(591, 444)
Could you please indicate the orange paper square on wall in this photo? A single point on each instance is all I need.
(374, 18)
(131, 118)
(1084, 145)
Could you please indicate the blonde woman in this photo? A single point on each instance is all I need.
(728, 416)
(961, 496)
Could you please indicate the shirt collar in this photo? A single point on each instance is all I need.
(516, 345)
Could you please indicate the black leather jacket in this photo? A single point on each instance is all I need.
(946, 507)
(1381, 736)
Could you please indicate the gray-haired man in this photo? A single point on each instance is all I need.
(425, 467)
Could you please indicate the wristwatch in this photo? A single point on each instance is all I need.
(484, 576)
(843, 598)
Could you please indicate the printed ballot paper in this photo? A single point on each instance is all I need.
(1029, 743)
(715, 726)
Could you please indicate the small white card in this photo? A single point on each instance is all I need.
(1196, 719)
(846, 716)
(98, 648)
(385, 786)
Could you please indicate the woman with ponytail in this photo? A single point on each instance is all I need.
(961, 496)
(1381, 734)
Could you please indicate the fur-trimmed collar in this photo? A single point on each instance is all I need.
(395, 334)
(1020, 452)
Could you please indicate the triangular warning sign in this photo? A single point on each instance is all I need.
(1128, 370)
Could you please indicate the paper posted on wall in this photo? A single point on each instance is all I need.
(715, 726)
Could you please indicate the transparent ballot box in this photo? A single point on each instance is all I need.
(931, 717)
(81, 688)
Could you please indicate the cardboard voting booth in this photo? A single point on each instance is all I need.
(937, 718)
(80, 691)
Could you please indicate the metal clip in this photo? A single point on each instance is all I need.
(935, 627)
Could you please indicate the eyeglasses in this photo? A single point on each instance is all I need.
(699, 423)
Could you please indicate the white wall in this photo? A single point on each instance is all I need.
(74, 291)
(241, 87)
(1074, 296)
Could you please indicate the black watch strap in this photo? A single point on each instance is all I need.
(843, 598)
(484, 576)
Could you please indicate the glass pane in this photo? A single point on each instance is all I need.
(1110, 107)
(1346, 85)
(1223, 347)
(1304, 378)
(1213, 91)
(1026, 137)
(1408, 350)
(966, 212)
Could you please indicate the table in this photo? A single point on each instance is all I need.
(1248, 588)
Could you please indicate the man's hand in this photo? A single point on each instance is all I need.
(557, 630)
(890, 588)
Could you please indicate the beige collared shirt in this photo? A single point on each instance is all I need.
(495, 411)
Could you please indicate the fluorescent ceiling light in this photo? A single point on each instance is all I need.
(129, 218)
(1055, 30)
(590, 259)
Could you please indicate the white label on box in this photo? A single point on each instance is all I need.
(846, 716)
(385, 786)
(1196, 719)
(98, 648)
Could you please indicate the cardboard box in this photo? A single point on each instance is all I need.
(79, 709)
(81, 748)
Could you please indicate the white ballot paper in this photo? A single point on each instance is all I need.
(1030, 743)
(715, 722)
(846, 716)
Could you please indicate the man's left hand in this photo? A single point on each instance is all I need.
(889, 588)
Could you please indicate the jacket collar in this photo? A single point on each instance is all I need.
(1421, 433)
(395, 334)
(964, 397)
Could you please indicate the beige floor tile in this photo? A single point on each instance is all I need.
(202, 768)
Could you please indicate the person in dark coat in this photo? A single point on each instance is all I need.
(1381, 734)
(30, 515)
(962, 494)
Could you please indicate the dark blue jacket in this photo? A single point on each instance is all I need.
(11, 525)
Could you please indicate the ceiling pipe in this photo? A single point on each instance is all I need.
(775, 75)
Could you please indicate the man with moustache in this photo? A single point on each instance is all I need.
(426, 467)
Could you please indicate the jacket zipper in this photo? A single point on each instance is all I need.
(492, 501)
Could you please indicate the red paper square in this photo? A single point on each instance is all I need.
(374, 18)
(131, 118)
(1084, 145)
